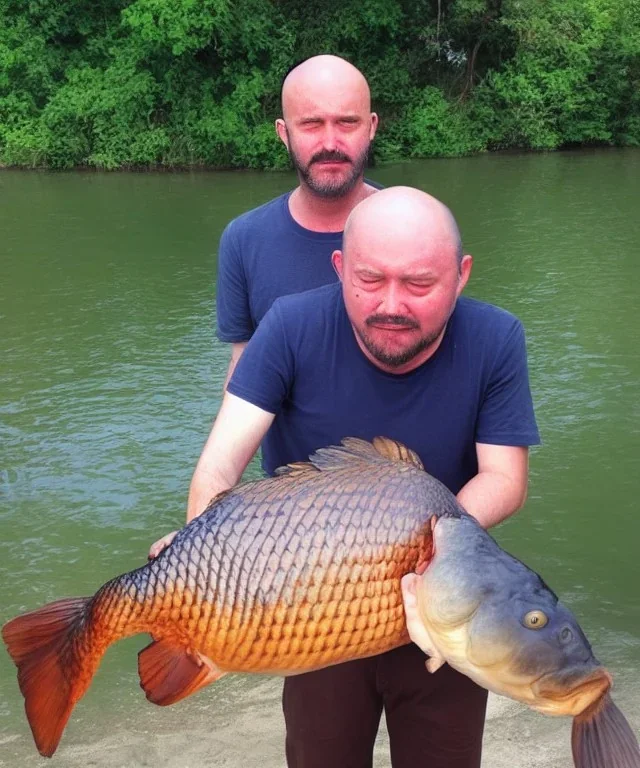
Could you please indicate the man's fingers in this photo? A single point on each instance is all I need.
(409, 583)
(157, 547)
(415, 626)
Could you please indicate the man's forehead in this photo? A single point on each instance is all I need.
(421, 259)
(376, 238)
(326, 91)
(328, 105)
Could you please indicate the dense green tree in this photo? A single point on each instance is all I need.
(116, 83)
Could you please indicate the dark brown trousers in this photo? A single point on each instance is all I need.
(434, 721)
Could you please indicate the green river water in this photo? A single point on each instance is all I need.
(110, 376)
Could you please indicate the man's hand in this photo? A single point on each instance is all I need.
(158, 546)
(415, 626)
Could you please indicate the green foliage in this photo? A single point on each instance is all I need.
(436, 126)
(180, 25)
(567, 78)
(125, 83)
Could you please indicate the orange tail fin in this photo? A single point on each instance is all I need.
(45, 646)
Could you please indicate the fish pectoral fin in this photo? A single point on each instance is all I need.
(433, 663)
(169, 673)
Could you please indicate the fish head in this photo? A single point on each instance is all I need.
(531, 648)
(496, 621)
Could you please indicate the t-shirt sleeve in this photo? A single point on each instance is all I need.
(506, 414)
(264, 373)
(232, 294)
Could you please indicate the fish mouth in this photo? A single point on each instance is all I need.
(560, 696)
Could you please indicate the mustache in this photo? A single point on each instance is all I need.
(405, 322)
(327, 155)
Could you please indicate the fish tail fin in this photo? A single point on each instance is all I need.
(601, 736)
(55, 665)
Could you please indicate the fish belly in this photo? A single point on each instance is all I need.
(294, 581)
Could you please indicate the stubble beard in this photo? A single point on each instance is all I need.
(398, 359)
(331, 188)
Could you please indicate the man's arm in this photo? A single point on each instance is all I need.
(500, 487)
(235, 436)
(236, 350)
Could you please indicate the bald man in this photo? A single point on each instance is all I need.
(285, 246)
(392, 350)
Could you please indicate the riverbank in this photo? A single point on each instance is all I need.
(242, 727)
(204, 168)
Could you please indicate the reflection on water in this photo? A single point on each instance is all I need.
(111, 375)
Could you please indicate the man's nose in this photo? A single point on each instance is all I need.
(330, 138)
(393, 300)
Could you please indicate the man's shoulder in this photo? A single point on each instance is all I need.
(306, 323)
(373, 183)
(483, 327)
(312, 303)
(482, 316)
(258, 218)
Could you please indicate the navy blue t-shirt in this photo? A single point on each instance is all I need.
(304, 364)
(265, 254)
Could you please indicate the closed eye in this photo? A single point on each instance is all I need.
(419, 288)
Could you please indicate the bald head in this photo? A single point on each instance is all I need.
(327, 126)
(401, 212)
(402, 271)
(323, 77)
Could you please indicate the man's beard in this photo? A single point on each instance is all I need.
(397, 359)
(331, 188)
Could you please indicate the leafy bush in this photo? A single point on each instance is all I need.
(125, 83)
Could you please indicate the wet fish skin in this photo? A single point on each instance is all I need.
(475, 602)
(286, 576)
(281, 575)
(301, 571)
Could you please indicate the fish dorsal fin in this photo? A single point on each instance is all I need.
(296, 469)
(392, 449)
(356, 451)
(353, 450)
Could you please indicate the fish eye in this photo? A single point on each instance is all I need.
(535, 620)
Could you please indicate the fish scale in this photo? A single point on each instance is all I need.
(303, 570)
(281, 575)
(258, 604)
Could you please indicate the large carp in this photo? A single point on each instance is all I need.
(303, 570)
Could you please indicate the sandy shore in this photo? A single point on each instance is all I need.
(241, 726)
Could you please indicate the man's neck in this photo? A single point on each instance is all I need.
(322, 214)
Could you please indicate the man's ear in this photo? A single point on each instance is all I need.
(374, 126)
(281, 130)
(337, 261)
(465, 272)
